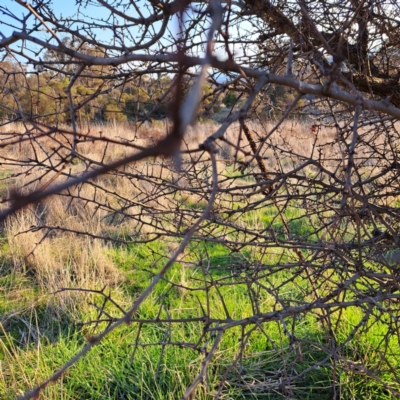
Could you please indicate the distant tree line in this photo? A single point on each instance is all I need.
(42, 93)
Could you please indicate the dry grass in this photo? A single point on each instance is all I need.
(57, 258)
(64, 259)
(293, 135)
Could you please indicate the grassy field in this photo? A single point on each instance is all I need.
(160, 354)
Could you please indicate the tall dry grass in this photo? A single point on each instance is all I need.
(58, 260)
(61, 258)
(292, 135)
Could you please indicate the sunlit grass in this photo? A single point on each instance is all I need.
(40, 331)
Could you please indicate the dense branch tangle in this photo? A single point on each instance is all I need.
(289, 207)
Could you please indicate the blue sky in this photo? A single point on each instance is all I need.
(64, 8)
(68, 8)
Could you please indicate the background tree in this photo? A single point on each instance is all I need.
(308, 218)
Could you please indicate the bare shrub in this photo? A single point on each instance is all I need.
(280, 220)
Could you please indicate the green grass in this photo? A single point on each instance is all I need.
(108, 372)
(5, 182)
(37, 335)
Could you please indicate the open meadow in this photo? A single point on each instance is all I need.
(277, 295)
(199, 200)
